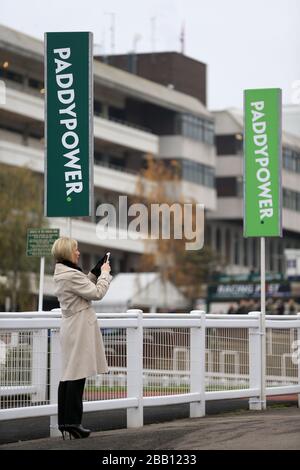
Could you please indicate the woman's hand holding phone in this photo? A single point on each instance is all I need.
(106, 266)
(103, 264)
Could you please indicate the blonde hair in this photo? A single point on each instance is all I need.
(63, 248)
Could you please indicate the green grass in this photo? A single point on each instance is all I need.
(155, 388)
(105, 388)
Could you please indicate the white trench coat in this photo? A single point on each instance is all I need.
(82, 348)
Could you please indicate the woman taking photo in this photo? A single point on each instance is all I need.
(82, 348)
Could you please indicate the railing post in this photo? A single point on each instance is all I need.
(55, 366)
(39, 364)
(197, 365)
(134, 339)
(255, 360)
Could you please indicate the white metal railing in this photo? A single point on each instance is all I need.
(154, 359)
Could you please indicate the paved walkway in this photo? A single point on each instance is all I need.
(271, 429)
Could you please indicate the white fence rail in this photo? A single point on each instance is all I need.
(154, 359)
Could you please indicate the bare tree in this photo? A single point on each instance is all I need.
(160, 183)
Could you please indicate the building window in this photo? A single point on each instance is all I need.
(291, 159)
(250, 251)
(218, 240)
(97, 108)
(209, 132)
(195, 128)
(245, 249)
(291, 200)
(239, 186)
(271, 255)
(298, 202)
(236, 247)
(229, 144)
(208, 235)
(209, 176)
(197, 173)
(227, 187)
(228, 244)
(36, 84)
(254, 253)
(11, 75)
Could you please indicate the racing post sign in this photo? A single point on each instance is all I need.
(40, 241)
(262, 189)
(262, 166)
(68, 124)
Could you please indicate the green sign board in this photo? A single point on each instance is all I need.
(262, 163)
(40, 241)
(68, 124)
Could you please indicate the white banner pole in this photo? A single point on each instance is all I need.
(41, 288)
(263, 321)
(69, 227)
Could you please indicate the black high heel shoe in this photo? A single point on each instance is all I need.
(77, 431)
(61, 427)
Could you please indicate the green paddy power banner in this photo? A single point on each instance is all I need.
(262, 165)
(68, 124)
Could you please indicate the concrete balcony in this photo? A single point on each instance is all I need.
(33, 158)
(117, 180)
(21, 155)
(30, 106)
(231, 208)
(24, 104)
(232, 166)
(125, 136)
(14, 153)
(290, 180)
(201, 194)
(290, 220)
(176, 146)
(228, 208)
(229, 166)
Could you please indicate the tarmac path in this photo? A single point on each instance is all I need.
(273, 429)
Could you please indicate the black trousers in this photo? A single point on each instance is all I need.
(69, 402)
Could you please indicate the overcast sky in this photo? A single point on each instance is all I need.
(245, 43)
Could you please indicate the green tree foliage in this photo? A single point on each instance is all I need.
(21, 207)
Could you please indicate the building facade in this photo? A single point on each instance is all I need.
(239, 254)
(150, 104)
(133, 117)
